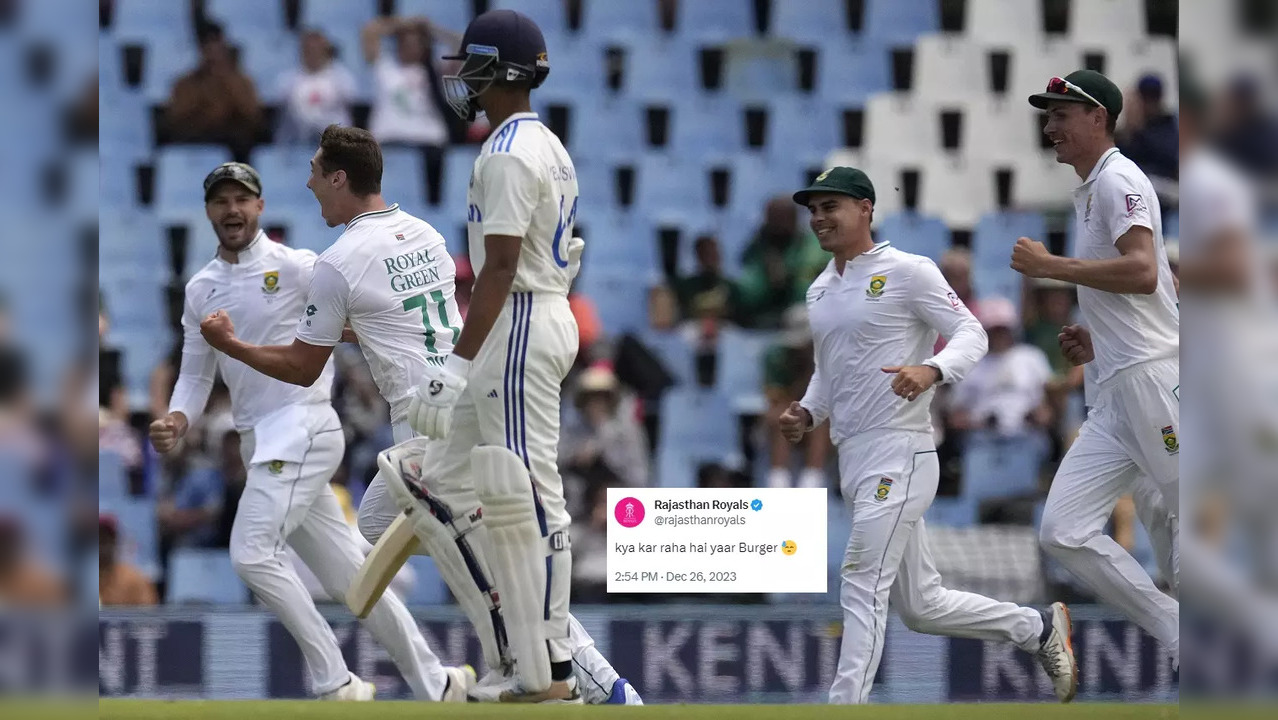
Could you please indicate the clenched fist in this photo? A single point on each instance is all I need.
(1031, 258)
(167, 431)
(912, 381)
(795, 421)
(218, 330)
(1076, 344)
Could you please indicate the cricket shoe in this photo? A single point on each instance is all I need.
(355, 690)
(490, 686)
(623, 693)
(460, 681)
(1057, 653)
(560, 692)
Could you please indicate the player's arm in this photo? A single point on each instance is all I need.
(1133, 272)
(809, 412)
(933, 301)
(302, 362)
(193, 385)
(511, 188)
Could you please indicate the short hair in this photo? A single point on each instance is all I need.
(355, 151)
(208, 30)
(1111, 123)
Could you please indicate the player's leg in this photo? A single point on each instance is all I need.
(276, 498)
(516, 381)
(377, 509)
(1093, 475)
(599, 682)
(1147, 405)
(927, 606)
(1163, 528)
(325, 544)
(887, 485)
(430, 480)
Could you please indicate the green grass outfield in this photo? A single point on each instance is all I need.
(312, 710)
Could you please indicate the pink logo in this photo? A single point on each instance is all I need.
(629, 512)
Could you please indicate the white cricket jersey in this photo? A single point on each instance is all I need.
(265, 294)
(1215, 198)
(1126, 329)
(391, 278)
(524, 184)
(886, 309)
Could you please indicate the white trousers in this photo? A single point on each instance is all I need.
(1129, 438)
(889, 479)
(290, 502)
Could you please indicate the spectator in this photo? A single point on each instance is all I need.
(778, 265)
(119, 583)
(24, 582)
(115, 434)
(706, 290)
(718, 477)
(1006, 392)
(1249, 134)
(190, 513)
(216, 102)
(1150, 135)
(408, 99)
(606, 445)
(787, 367)
(1052, 308)
(590, 548)
(316, 95)
(956, 268)
(663, 309)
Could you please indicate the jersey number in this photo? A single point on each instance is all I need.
(421, 301)
(565, 225)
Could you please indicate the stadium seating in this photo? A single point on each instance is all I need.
(899, 22)
(850, 72)
(803, 20)
(950, 68)
(999, 22)
(715, 20)
(551, 15)
(684, 425)
(453, 15)
(139, 20)
(739, 368)
(608, 20)
(673, 351)
(620, 296)
(957, 191)
(1106, 21)
(995, 466)
(915, 233)
(139, 537)
(203, 577)
(112, 483)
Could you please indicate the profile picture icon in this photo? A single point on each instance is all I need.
(629, 512)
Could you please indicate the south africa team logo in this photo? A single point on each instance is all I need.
(271, 282)
(877, 283)
(1169, 440)
(885, 486)
(275, 467)
(822, 176)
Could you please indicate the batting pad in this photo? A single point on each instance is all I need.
(518, 558)
(455, 537)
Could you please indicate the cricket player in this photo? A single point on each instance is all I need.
(495, 400)
(390, 278)
(292, 443)
(1127, 302)
(876, 310)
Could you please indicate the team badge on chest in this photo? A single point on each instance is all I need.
(877, 283)
(1169, 440)
(271, 282)
(885, 487)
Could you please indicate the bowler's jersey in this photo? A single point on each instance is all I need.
(886, 309)
(524, 184)
(1126, 329)
(264, 293)
(390, 277)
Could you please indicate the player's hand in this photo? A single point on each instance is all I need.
(1076, 344)
(167, 431)
(218, 330)
(1031, 258)
(349, 336)
(575, 246)
(430, 412)
(912, 381)
(794, 422)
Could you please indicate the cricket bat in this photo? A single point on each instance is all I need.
(390, 553)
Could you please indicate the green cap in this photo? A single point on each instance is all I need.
(844, 180)
(238, 172)
(1101, 89)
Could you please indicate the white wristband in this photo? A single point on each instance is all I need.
(457, 365)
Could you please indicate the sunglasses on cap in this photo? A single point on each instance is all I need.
(1061, 86)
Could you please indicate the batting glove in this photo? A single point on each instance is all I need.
(430, 412)
(575, 246)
